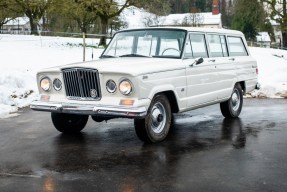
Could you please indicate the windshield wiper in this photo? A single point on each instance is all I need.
(108, 56)
(133, 55)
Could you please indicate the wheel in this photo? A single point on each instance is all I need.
(69, 123)
(155, 126)
(232, 107)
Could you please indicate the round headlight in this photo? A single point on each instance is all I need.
(57, 84)
(45, 84)
(111, 86)
(126, 87)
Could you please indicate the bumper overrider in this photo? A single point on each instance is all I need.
(89, 109)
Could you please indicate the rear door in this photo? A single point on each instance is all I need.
(225, 66)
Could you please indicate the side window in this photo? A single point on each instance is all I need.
(197, 46)
(236, 47)
(215, 45)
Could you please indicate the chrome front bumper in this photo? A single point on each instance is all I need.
(97, 110)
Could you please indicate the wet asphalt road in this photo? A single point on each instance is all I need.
(204, 152)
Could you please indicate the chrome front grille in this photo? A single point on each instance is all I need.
(82, 83)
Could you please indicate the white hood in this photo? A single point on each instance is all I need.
(131, 66)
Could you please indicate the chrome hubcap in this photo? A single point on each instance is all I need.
(158, 118)
(235, 100)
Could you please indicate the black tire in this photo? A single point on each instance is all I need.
(233, 106)
(69, 123)
(156, 125)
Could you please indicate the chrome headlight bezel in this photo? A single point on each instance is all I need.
(55, 84)
(110, 83)
(126, 87)
(48, 83)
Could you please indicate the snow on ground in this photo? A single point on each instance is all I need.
(22, 56)
(272, 65)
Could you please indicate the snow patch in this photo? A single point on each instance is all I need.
(21, 56)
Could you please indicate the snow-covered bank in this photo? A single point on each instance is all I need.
(22, 56)
(272, 64)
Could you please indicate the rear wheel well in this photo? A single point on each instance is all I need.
(242, 84)
(172, 100)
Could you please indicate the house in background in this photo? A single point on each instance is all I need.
(277, 32)
(192, 20)
(263, 39)
(19, 25)
(209, 19)
(137, 18)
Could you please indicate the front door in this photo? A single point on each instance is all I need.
(201, 79)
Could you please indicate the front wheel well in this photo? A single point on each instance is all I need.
(172, 100)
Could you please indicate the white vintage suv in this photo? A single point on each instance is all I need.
(148, 74)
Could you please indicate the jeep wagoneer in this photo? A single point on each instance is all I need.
(148, 74)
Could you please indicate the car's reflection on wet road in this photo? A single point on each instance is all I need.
(204, 152)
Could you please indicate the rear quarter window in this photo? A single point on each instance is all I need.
(236, 46)
(217, 45)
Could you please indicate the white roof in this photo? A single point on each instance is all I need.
(196, 29)
(18, 21)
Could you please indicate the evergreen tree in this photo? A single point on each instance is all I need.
(248, 17)
(184, 6)
(226, 10)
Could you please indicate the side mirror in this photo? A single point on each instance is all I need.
(199, 61)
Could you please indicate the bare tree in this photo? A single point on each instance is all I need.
(152, 20)
(108, 9)
(278, 13)
(8, 11)
(193, 20)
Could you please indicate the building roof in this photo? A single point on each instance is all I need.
(137, 18)
(207, 18)
(18, 21)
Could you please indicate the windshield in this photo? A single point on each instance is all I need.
(146, 43)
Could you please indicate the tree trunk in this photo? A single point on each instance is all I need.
(104, 23)
(34, 28)
(83, 27)
(284, 39)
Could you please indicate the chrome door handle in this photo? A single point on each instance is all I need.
(212, 60)
(231, 59)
